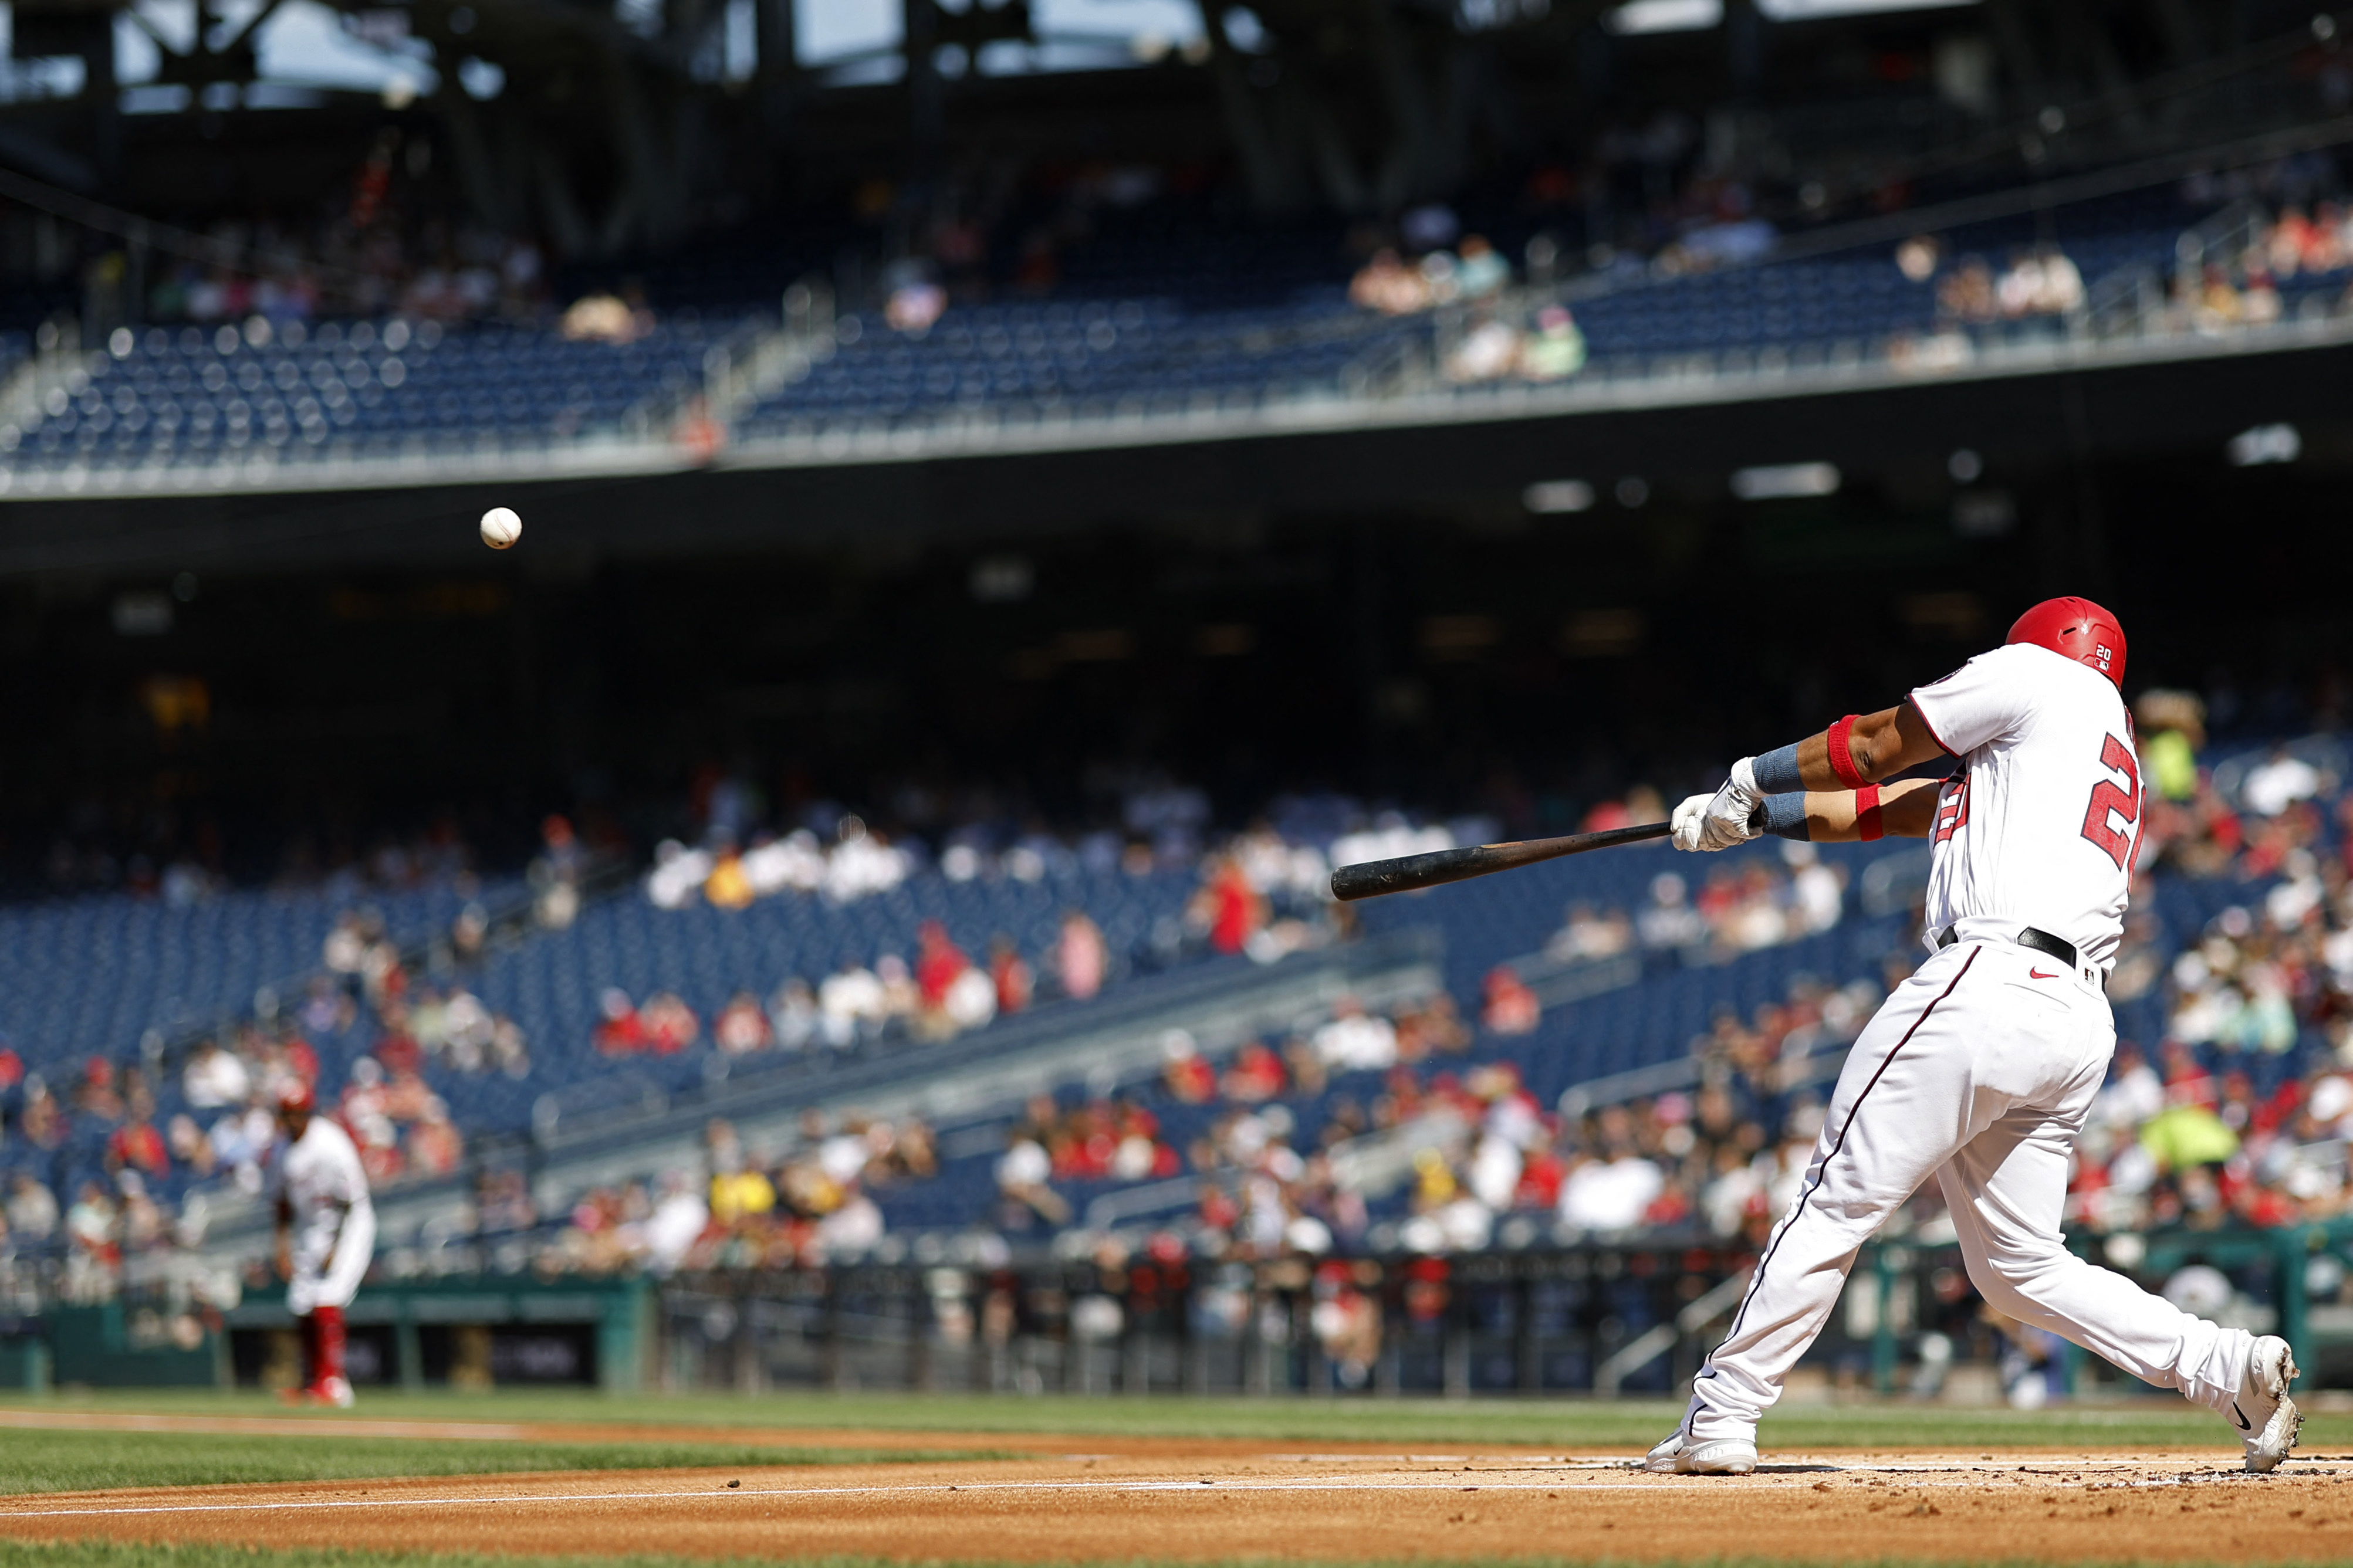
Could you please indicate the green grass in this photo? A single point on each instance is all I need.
(128, 1555)
(2151, 1421)
(53, 1461)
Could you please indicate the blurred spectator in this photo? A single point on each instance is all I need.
(1011, 975)
(1556, 350)
(32, 1209)
(1510, 1007)
(1588, 934)
(1081, 956)
(742, 1028)
(1022, 1172)
(606, 318)
(1490, 350)
(1184, 1073)
(1355, 1041)
(1227, 907)
(1388, 285)
(623, 1032)
(1480, 272)
(793, 1015)
(212, 1077)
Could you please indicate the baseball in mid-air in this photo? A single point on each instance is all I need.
(501, 528)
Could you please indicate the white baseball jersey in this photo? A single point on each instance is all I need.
(320, 1177)
(2037, 827)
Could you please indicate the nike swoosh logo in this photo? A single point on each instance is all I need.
(2239, 1416)
(2038, 974)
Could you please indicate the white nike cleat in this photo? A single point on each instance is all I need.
(336, 1391)
(1683, 1454)
(2267, 1419)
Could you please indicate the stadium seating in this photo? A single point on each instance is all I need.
(194, 395)
(107, 975)
(551, 985)
(1148, 317)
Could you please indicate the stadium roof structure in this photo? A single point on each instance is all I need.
(625, 126)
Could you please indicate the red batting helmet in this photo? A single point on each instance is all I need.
(294, 1094)
(2077, 628)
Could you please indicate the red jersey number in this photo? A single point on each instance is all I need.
(1952, 810)
(2108, 801)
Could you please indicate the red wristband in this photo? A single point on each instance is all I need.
(1866, 814)
(1839, 737)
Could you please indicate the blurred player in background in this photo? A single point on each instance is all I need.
(1979, 1071)
(326, 1235)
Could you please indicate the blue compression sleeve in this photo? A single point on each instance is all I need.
(1777, 771)
(1784, 815)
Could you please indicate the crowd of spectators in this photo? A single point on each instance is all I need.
(1411, 1131)
(370, 250)
(943, 992)
(755, 1208)
(1405, 1129)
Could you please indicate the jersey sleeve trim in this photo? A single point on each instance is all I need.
(1929, 725)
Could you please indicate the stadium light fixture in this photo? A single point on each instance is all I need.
(1637, 16)
(1813, 10)
(1779, 481)
(1557, 496)
(2264, 444)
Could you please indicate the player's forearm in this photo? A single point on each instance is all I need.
(1853, 752)
(1906, 809)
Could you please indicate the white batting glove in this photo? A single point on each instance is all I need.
(1689, 818)
(1730, 814)
(1725, 821)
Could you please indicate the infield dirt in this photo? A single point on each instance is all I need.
(1103, 1500)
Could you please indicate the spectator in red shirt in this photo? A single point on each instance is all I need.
(1257, 1075)
(1231, 907)
(1510, 1007)
(1012, 975)
(938, 963)
(622, 1033)
(669, 1023)
(139, 1147)
(1188, 1079)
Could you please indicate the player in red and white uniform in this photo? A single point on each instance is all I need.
(1979, 1071)
(325, 1238)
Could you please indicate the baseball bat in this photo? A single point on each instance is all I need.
(1370, 879)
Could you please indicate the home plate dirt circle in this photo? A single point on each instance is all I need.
(1175, 1500)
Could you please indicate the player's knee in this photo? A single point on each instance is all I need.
(2016, 1276)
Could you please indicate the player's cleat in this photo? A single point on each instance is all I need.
(1683, 1454)
(2267, 1419)
(334, 1391)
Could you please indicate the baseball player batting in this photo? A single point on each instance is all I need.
(1979, 1069)
(325, 1237)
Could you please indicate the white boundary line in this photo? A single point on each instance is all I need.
(1454, 1482)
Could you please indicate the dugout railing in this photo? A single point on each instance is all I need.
(1585, 1319)
(1597, 1320)
(1609, 1320)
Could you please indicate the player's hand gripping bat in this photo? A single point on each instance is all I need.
(1370, 879)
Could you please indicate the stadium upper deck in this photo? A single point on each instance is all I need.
(1179, 339)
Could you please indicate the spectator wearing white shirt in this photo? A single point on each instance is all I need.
(849, 999)
(214, 1078)
(1355, 1042)
(1606, 1196)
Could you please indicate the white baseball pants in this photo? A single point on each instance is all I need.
(1978, 1071)
(328, 1266)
